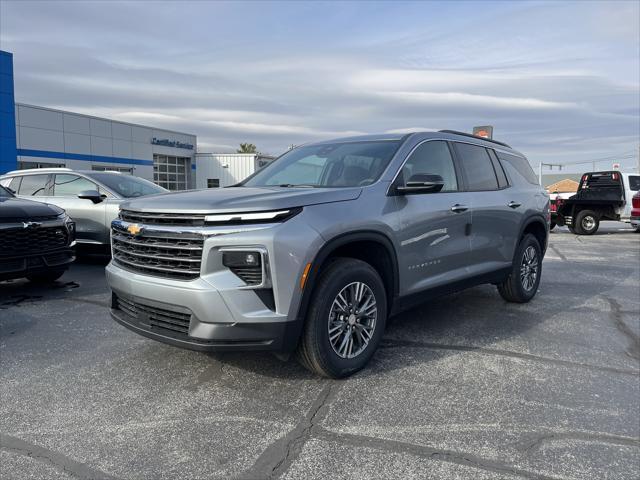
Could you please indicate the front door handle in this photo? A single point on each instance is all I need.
(457, 208)
(514, 204)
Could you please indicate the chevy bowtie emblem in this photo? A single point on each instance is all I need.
(30, 224)
(134, 229)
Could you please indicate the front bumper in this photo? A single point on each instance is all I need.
(22, 265)
(195, 315)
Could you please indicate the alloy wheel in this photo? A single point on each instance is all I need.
(352, 320)
(529, 268)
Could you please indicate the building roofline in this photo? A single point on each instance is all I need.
(103, 118)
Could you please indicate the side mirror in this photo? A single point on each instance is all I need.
(92, 195)
(422, 183)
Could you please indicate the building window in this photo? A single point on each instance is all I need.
(26, 165)
(107, 168)
(170, 172)
(213, 182)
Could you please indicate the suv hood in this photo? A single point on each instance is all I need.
(19, 209)
(241, 199)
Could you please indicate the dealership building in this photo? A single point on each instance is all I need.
(36, 137)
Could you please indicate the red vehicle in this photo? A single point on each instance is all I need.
(635, 212)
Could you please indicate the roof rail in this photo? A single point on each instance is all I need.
(29, 170)
(455, 132)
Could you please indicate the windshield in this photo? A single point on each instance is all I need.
(328, 165)
(127, 186)
(4, 193)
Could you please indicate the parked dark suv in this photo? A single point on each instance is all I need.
(36, 239)
(315, 251)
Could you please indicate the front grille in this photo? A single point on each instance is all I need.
(169, 219)
(250, 275)
(158, 254)
(154, 317)
(32, 240)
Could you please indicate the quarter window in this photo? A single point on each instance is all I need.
(502, 178)
(71, 185)
(33, 185)
(521, 165)
(477, 167)
(432, 158)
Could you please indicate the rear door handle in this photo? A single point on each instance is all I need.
(514, 204)
(457, 208)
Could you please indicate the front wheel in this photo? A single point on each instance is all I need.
(522, 283)
(587, 222)
(346, 319)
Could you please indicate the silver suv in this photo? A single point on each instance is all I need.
(91, 198)
(313, 253)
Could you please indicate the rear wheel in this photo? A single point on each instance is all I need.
(522, 283)
(346, 319)
(46, 277)
(587, 222)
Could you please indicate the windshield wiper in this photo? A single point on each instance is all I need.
(298, 185)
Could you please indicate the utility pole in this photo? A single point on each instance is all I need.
(550, 165)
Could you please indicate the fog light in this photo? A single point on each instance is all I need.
(241, 259)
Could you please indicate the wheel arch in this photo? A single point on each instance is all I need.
(373, 247)
(537, 226)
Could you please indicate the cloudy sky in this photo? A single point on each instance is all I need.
(558, 80)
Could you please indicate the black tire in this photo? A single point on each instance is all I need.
(571, 229)
(315, 350)
(515, 289)
(49, 276)
(586, 222)
(552, 225)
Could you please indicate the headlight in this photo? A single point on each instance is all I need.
(251, 217)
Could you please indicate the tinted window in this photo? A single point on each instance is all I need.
(33, 185)
(634, 182)
(502, 178)
(432, 158)
(127, 186)
(71, 185)
(521, 165)
(477, 167)
(5, 193)
(327, 165)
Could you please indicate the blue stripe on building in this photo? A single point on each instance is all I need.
(8, 151)
(79, 156)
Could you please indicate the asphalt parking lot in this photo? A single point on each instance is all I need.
(466, 386)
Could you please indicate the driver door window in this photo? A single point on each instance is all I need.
(432, 158)
(66, 185)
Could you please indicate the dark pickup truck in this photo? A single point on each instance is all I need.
(600, 196)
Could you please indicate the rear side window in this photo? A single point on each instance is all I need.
(521, 165)
(477, 167)
(634, 182)
(33, 185)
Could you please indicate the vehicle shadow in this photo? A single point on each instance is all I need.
(474, 319)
